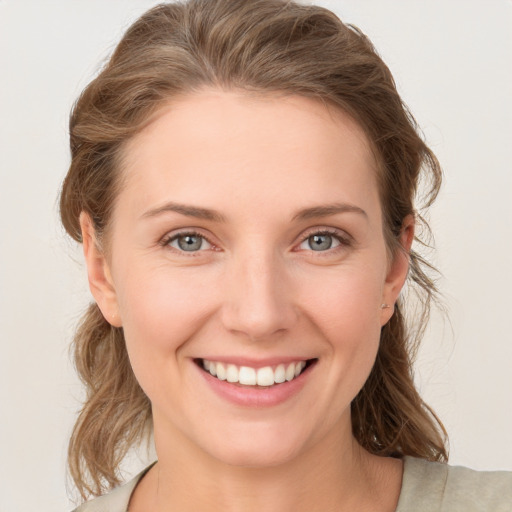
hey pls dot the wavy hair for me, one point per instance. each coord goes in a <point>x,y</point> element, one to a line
<point>259,46</point>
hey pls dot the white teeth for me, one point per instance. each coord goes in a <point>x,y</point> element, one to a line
<point>232,373</point>
<point>280,374</point>
<point>221,371</point>
<point>290,372</point>
<point>247,376</point>
<point>265,376</point>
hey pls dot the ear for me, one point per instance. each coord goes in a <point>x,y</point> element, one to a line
<point>398,270</point>
<point>98,271</point>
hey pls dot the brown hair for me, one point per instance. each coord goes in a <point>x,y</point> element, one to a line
<point>263,46</point>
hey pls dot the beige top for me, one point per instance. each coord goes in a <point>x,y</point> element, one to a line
<point>426,487</point>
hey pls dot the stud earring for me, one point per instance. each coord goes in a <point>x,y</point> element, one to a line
<point>385,306</point>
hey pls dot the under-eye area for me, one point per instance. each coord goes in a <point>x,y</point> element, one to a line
<point>263,377</point>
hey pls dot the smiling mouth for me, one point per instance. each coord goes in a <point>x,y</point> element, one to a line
<point>257,377</point>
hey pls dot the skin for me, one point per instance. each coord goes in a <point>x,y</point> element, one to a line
<point>255,289</point>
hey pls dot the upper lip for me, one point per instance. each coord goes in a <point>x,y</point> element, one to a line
<point>256,362</point>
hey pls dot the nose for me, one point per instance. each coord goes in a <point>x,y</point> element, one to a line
<point>258,297</point>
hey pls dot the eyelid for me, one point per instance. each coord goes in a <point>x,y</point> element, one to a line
<point>343,237</point>
<point>173,235</point>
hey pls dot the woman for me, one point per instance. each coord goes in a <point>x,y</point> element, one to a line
<point>242,180</point>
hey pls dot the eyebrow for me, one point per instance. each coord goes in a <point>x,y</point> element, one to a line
<point>326,210</point>
<point>189,211</point>
<point>215,216</point>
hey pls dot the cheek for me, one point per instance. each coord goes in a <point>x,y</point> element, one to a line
<point>344,300</point>
<point>347,312</point>
<point>161,310</point>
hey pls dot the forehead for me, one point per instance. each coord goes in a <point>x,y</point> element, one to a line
<point>226,144</point>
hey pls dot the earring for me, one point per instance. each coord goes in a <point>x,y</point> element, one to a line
<point>385,306</point>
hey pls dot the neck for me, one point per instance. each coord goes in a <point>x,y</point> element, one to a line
<point>331,475</point>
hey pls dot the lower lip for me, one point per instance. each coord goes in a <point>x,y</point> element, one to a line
<point>254,396</point>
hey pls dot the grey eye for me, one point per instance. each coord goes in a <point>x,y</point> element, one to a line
<point>189,243</point>
<point>320,242</point>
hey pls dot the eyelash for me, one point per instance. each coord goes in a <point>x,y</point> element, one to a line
<point>166,241</point>
<point>344,240</point>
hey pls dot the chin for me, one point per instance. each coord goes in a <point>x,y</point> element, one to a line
<point>256,451</point>
<point>256,458</point>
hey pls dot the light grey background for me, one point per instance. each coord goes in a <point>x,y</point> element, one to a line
<point>451,60</point>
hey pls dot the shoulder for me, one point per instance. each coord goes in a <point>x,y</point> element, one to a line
<point>436,487</point>
<point>116,500</point>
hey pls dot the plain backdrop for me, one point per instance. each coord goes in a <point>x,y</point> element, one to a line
<point>452,63</point>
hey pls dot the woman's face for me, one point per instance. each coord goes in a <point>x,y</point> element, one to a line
<point>247,239</point>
